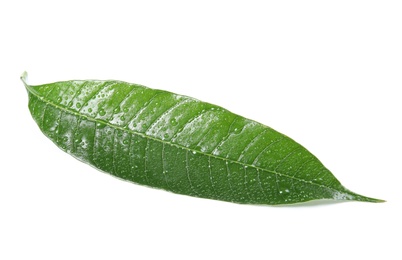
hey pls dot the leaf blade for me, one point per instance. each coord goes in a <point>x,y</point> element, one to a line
<point>177,143</point>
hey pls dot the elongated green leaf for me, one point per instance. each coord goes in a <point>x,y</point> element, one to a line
<point>180,144</point>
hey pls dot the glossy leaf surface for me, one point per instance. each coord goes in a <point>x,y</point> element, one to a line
<point>180,144</point>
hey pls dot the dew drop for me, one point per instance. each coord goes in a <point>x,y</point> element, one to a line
<point>166,136</point>
<point>102,112</point>
<point>125,110</point>
<point>78,105</point>
<point>70,104</point>
<point>122,118</point>
<point>89,110</point>
<point>59,99</point>
<point>194,152</point>
<point>173,121</point>
<point>125,142</point>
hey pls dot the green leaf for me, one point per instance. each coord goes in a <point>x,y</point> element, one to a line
<point>180,144</point>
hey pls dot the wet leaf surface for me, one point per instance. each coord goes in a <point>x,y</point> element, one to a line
<point>180,144</point>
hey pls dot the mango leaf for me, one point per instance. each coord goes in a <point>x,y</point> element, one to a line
<point>179,144</point>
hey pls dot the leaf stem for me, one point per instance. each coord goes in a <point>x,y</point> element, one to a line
<point>24,77</point>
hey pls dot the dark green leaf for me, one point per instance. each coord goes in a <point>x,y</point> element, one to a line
<point>180,144</point>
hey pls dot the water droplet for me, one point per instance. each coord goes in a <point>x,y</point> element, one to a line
<point>70,104</point>
<point>89,110</point>
<point>166,136</point>
<point>125,142</point>
<point>125,110</point>
<point>194,152</point>
<point>78,105</point>
<point>122,118</point>
<point>286,190</point>
<point>116,110</point>
<point>173,121</point>
<point>59,99</point>
<point>102,112</point>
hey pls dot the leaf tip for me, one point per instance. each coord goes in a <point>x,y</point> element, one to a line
<point>375,200</point>
<point>348,195</point>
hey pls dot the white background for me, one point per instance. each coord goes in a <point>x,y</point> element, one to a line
<point>326,73</point>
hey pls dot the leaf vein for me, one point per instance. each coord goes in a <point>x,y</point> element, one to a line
<point>146,104</point>
<point>249,144</point>
<point>188,174</point>
<point>215,150</point>
<point>165,113</point>
<point>164,166</point>
<point>187,123</point>
<point>210,177</point>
